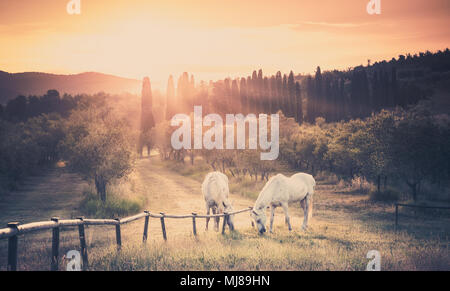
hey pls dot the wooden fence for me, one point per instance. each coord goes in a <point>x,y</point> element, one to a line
<point>397,205</point>
<point>14,229</point>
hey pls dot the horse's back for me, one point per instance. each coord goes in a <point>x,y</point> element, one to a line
<point>306,179</point>
<point>215,187</point>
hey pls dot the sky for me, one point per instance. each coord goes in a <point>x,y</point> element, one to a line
<point>213,39</point>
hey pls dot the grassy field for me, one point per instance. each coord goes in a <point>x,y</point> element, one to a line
<point>345,226</point>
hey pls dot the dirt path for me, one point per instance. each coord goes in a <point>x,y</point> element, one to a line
<point>58,193</point>
<point>173,193</point>
<point>53,193</point>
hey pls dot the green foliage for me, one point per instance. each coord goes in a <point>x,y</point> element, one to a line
<point>391,148</point>
<point>26,146</point>
<point>410,146</point>
<point>99,146</point>
<point>114,207</point>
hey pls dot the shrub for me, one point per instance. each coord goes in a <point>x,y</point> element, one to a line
<point>113,207</point>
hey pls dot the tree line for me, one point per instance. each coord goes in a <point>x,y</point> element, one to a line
<point>334,95</point>
<point>400,150</point>
<point>408,147</point>
<point>88,136</point>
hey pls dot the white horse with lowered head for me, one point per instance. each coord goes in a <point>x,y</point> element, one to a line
<point>280,191</point>
<point>215,191</point>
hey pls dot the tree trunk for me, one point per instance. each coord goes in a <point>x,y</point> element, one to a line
<point>379,183</point>
<point>100,186</point>
<point>413,187</point>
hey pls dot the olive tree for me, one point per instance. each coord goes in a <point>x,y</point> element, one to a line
<point>98,146</point>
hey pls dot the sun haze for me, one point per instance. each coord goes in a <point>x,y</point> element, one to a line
<point>213,39</point>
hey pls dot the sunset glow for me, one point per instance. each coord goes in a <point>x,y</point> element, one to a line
<point>213,39</point>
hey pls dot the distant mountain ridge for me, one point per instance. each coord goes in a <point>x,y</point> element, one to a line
<point>36,83</point>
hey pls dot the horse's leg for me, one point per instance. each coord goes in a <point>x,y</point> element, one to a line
<point>286,213</point>
<point>302,204</point>
<point>207,213</point>
<point>305,211</point>
<point>307,204</point>
<point>272,216</point>
<point>216,223</point>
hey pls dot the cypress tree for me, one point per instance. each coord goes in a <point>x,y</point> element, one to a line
<point>265,96</point>
<point>279,88</point>
<point>147,120</point>
<point>298,108</point>
<point>336,107</point>
<point>235,104</point>
<point>273,94</point>
<point>243,95</point>
<point>183,92</point>
<point>191,94</point>
<point>375,92</point>
<point>249,94</point>
<point>253,92</point>
<point>260,92</point>
<point>385,89</point>
<point>318,94</point>
<point>343,101</point>
<point>290,100</point>
<point>310,87</point>
<point>228,97</point>
<point>284,96</point>
<point>171,103</point>
<point>395,99</point>
<point>327,98</point>
<point>365,94</point>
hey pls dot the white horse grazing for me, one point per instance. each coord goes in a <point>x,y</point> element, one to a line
<point>215,191</point>
<point>280,191</point>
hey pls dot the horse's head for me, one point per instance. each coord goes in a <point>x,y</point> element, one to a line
<point>260,218</point>
<point>229,208</point>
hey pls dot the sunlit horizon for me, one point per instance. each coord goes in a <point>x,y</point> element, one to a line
<point>213,40</point>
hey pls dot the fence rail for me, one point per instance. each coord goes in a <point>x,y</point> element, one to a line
<point>397,205</point>
<point>14,229</point>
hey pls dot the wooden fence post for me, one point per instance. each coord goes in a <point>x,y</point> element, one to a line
<point>224,225</point>
<point>163,226</point>
<point>396,217</point>
<point>194,226</point>
<point>144,238</point>
<point>83,246</point>
<point>55,245</point>
<point>118,235</point>
<point>12,248</point>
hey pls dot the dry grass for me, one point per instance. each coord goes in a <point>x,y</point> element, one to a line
<point>345,226</point>
<point>326,246</point>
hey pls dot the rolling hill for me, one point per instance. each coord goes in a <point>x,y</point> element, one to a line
<point>34,83</point>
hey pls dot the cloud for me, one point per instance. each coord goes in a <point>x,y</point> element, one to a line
<point>335,25</point>
<point>24,28</point>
